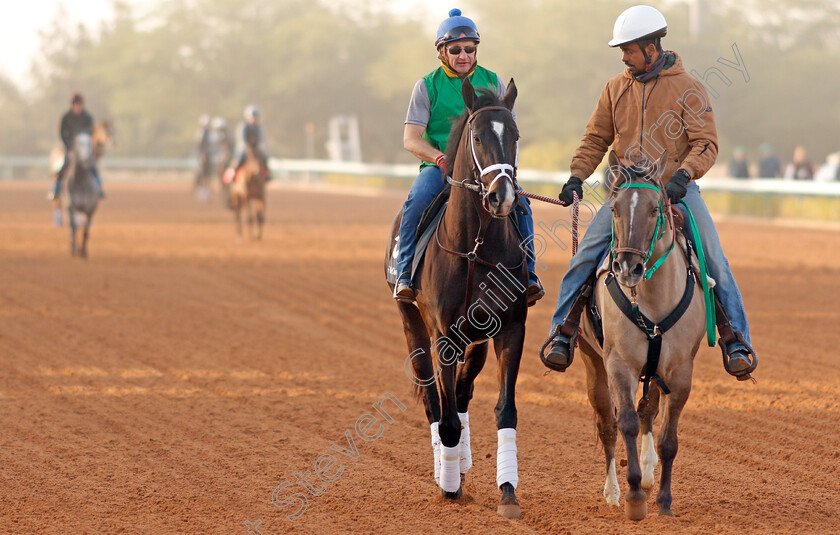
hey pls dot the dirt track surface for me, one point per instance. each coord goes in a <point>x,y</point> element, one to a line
<point>170,383</point>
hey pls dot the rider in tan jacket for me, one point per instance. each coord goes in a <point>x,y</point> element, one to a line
<point>671,112</point>
<point>652,108</point>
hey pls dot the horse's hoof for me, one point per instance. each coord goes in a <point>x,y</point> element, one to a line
<point>509,510</point>
<point>508,505</point>
<point>635,511</point>
<point>665,511</point>
<point>452,495</point>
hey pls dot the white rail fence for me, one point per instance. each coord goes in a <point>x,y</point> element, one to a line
<point>9,165</point>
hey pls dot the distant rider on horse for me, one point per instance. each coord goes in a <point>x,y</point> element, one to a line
<point>249,134</point>
<point>654,106</point>
<point>76,121</point>
<point>435,102</point>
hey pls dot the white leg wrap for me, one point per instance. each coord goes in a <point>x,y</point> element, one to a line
<point>507,470</point>
<point>612,492</point>
<point>450,475</point>
<point>649,460</point>
<point>465,452</point>
<point>436,450</point>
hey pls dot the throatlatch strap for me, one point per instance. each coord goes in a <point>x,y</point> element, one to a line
<point>708,293</point>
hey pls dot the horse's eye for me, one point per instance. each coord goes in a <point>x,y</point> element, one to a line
<point>654,212</point>
<point>477,140</point>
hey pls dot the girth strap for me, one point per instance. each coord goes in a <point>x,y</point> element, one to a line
<point>653,331</point>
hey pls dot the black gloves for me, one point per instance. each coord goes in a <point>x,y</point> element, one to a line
<point>675,188</point>
<point>573,185</point>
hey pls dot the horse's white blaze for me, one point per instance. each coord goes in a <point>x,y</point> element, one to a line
<point>506,193</point>
<point>507,469</point>
<point>450,474</point>
<point>436,450</point>
<point>649,460</point>
<point>634,201</point>
<point>612,492</point>
<point>499,128</point>
<point>465,453</point>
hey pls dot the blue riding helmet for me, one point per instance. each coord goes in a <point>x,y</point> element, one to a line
<point>456,28</point>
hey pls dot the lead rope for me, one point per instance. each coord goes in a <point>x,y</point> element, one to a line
<point>575,212</point>
<point>575,221</point>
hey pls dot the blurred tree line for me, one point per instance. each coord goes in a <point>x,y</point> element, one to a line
<point>154,73</point>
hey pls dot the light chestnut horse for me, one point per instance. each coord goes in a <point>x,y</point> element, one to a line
<point>248,192</point>
<point>642,234</point>
<point>102,138</point>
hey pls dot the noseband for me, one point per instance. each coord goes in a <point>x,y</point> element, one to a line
<point>505,170</point>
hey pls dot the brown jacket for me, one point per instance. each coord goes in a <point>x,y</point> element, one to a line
<point>676,117</point>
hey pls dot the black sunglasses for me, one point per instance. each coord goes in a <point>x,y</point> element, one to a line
<point>455,50</point>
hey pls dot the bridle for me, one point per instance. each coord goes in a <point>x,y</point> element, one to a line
<point>477,185</point>
<point>476,182</point>
<point>658,233</point>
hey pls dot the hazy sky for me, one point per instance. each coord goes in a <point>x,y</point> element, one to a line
<point>19,31</point>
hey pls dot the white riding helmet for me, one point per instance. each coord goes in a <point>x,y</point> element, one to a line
<point>219,122</point>
<point>638,22</point>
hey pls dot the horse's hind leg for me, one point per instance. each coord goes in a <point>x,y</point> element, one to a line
<point>672,406</point>
<point>599,397</point>
<point>72,216</point>
<point>623,384</point>
<point>509,352</point>
<point>260,217</point>
<point>648,409</point>
<point>420,369</point>
<point>474,361</point>
<point>237,216</point>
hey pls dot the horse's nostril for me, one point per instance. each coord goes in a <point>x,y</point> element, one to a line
<point>616,267</point>
<point>638,270</point>
<point>493,198</point>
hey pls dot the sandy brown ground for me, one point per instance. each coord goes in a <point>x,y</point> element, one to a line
<point>170,383</point>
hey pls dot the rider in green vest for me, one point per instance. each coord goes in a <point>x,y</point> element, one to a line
<point>435,103</point>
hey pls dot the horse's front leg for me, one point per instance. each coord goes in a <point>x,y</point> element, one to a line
<point>449,429</point>
<point>508,346</point>
<point>467,372</point>
<point>623,384</point>
<point>672,406</point>
<point>648,409</point>
<point>85,232</point>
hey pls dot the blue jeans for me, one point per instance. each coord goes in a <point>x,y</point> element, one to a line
<point>423,191</point>
<point>595,243</point>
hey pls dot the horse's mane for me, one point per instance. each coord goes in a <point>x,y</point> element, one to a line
<point>639,173</point>
<point>484,98</point>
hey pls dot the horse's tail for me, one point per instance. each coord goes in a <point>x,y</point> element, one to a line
<point>419,366</point>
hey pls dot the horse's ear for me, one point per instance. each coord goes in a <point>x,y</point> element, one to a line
<point>615,169</point>
<point>510,95</point>
<point>468,93</point>
<point>660,166</point>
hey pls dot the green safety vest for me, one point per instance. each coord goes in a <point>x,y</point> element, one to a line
<point>446,102</point>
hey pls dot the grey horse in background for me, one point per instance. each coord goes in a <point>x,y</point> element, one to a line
<point>83,193</point>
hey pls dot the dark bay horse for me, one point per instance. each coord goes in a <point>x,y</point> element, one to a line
<point>248,192</point>
<point>83,193</point>
<point>650,263</point>
<point>470,289</point>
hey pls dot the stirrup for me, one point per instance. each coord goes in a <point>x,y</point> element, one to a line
<point>551,365</point>
<point>743,375</point>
